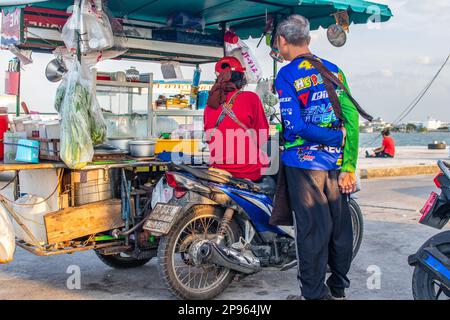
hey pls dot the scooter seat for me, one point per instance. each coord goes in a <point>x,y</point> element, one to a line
<point>266,186</point>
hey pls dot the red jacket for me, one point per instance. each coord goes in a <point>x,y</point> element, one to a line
<point>389,146</point>
<point>231,147</point>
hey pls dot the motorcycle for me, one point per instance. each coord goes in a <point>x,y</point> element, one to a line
<point>215,228</point>
<point>431,277</point>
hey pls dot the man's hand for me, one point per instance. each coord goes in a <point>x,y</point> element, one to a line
<point>347,182</point>
<point>344,136</point>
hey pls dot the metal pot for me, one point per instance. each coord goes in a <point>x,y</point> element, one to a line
<point>142,148</point>
<point>121,142</point>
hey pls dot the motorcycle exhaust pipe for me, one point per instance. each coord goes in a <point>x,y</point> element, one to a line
<point>229,258</point>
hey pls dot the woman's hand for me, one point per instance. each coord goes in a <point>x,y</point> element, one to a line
<point>347,182</point>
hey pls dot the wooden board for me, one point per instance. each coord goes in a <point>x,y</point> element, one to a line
<point>30,166</point>
<point>73,223</point>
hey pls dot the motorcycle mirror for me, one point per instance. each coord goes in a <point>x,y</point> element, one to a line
<point>336,35</point>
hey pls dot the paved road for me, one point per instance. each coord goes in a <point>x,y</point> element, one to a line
<point>391,234</point>
<point>405,156</point>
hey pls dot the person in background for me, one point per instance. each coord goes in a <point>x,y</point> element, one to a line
<point>320,171</point>
<point>387,149</point>
<point>237,133</point>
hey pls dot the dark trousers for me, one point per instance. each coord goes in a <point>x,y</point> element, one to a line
<point>381,154</point>
<point>324,232</point>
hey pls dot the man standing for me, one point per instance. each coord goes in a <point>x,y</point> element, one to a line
<point>320,171</point>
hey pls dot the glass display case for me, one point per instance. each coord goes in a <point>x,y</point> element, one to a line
<point>172,113</point>
<point>127,107</point>
<point>134,109</point>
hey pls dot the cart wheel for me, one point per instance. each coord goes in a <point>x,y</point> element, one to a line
<point>121,260</point>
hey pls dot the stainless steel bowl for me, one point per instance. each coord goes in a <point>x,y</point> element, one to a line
<point>142,148</point>
<point>121,142</point>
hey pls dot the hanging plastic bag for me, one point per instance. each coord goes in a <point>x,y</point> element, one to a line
<point>265,93</point>
<point>76,144</point>
<point>98,126</point>
<point>93,26</point>
<point>7,237</point>
<point>241,51</point>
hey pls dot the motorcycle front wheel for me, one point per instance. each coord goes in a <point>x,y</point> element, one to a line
<point>176,266</point>
<point>358,226</point>
<point>426,286</point>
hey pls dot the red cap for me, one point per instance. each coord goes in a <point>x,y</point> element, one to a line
<point>229,64</point>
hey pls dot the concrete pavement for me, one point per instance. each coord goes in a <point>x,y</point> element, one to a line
<point>408,161</point>
<point>391,234</point>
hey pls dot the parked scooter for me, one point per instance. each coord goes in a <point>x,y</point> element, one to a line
<point>431,279</point>
<point>216,227</point>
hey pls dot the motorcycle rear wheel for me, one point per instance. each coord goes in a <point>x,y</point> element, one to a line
<point>181,277</point>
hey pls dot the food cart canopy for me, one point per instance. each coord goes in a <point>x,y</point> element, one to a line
<point>246,17</point>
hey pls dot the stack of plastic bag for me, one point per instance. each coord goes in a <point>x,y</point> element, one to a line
<point>7,237</point>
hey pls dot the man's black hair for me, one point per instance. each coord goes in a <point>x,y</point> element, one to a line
<point>386,132</point>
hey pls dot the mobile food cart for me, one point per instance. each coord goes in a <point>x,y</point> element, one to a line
<point>103,205</point>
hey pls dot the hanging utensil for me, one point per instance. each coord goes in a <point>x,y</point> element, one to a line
<point>55,70</point>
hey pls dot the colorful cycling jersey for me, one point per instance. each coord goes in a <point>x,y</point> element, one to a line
<point>313,140</point>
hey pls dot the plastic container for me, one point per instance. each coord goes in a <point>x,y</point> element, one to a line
<point>7,237</point>
<point>202,99</point>
<point>52,130</point>
<point>31,210</point>
<point>177,145</point>
<point>4,122</point>
<point>19,123</point>
<point>31,128</point>
<point>11,140</point>
<point>91,186</point>
<point>133,75</point>
<point>27,151</point>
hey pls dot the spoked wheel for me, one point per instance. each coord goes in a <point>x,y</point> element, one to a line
<point>426,286</point>
<point>176,255</point>
<point>358,226</point>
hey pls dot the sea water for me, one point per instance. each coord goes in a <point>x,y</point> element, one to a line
<point>371,140</point>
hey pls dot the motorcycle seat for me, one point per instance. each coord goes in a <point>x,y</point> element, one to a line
<point>267,186</point>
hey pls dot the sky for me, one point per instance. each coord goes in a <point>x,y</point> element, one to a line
<point>386,64</point>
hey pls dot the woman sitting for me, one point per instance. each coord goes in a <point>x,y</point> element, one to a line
<point>235,124</point>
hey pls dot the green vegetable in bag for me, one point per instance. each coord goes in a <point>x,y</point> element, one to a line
<point>77,149</point>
